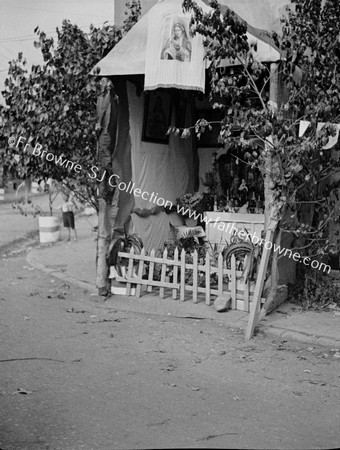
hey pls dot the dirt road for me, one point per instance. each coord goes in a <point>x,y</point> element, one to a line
<point>78,375</point>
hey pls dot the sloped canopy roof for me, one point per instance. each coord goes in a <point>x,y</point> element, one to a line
<point>128,56</point>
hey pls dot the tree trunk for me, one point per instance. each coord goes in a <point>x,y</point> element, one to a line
<point>275,293</point>
<point>27,188</point>
<point>103,240</point>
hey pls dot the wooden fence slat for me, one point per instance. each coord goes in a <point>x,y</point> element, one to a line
<point>151,269</point>
<point>148,258</point>
<point>195,277</point>
<point>163,274</point>
<point>159,284</point>
<point>182,295</point>
<point>246,296</point>
<point>233,282</point>
<point>129,272</point>
<point>140,273</point>
<point>175,274</point>
<point>207,279</point>
<point>202,290</point>
<point>220,274</point>
<point>243,295</point>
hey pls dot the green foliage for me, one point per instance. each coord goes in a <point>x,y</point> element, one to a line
<point>293,167</point>
<point>190,243</point>
<point>190,201</point>
<point>122,244</point>
<point>311,42</point>
<point>54,104</point>
<point>315,291</point>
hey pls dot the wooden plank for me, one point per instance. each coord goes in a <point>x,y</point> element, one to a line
<point>233,282</point>
<point>149,258</point>
<point>175,274</point>
<point>195,277</point>
<point>207,279</point>
<point>147,282</point>
<point>140,273</point>
<point>259,287</point>
<point>163,273</point>
<point>151,269</point>
<point>246,296</point>
<point>202,290</point>
<point>220,274</point>
<point>240,304</point>
<point>182,295</point>
<point>129,271</point>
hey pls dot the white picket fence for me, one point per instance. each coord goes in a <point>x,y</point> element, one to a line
<point>240,290</point>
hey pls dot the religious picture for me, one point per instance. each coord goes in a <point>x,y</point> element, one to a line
<point>178,45</point>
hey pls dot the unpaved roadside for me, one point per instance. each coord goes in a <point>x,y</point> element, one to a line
<point>93,377</point>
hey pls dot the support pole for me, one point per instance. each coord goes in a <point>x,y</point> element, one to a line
<point>271,213</point>
<point>256,303</point>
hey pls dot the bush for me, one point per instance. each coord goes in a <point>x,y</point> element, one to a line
<point>315,291</point>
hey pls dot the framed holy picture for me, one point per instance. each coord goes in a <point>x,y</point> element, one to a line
<point>157,116</point>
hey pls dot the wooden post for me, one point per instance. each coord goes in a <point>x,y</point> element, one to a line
<point>195,277</point>
<point>103,238</point>
<point>175,274</point>
<point>163,273</point>
<point>151,269</point>
<point>233,282</point>
<point>220,274</point>
<point>256,304</point>
<point>140,273</point>
<point>246,296</point>
<point>182,275</point>
<point>207,279</point>
<point>130,272</point>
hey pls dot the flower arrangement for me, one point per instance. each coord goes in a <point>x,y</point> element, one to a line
<point>190,201</point>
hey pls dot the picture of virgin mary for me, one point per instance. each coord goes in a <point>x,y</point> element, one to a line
<point>178,46</point>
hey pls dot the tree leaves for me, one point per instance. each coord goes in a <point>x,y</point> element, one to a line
<point>53,104</point>
<point>310,46</point>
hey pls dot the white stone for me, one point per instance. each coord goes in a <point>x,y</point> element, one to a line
<point>222,303</point>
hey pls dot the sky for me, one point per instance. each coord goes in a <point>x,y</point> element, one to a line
<point>19,18</point>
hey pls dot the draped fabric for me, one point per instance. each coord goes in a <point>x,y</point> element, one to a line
<point>107,135</point>
<point>122,157</point>
<point>114,154</point>
<point>173,57</point>
<point>165,170</point>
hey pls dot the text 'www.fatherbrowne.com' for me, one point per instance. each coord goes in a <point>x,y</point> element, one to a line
<point>153,197</point>
<point>231,228</point>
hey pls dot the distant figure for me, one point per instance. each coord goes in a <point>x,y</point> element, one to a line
<point>178,47</point>
<point>67,208</point>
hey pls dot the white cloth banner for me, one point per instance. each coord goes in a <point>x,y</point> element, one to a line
<point>304,124</point>
<point>332,140</point>
<point>174,59</point>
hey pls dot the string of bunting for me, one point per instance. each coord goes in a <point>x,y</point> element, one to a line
<point>332,140</point>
